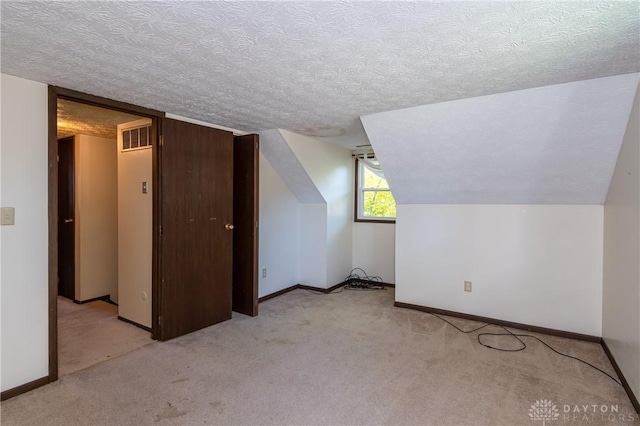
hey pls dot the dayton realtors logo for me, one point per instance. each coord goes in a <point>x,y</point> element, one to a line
<point>545,410</point>
<point>594,413</point>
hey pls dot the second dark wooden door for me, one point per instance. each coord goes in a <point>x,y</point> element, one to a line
<point>245,213</point>
<point>196,246</point>
<point>66,218</point>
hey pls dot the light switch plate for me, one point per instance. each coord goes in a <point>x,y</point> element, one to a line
<point>8,216</point>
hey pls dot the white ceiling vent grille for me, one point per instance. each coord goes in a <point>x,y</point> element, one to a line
<point>136,138</point>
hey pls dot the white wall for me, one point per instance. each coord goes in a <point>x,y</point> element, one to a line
<point>96,217</point>
<point>313,245</point>
<point>279,238</point>
<point>374,249</point>
<point>331,170</point>
<point>135,220</point>
<point>532,264</point>
<point>24,276</point>
<point>621,289</point>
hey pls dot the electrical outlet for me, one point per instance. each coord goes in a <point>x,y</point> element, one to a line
<point>467,286</point>
<point>8,216</point>
<point>264,273</point>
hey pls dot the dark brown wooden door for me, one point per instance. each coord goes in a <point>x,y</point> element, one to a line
<point>245,234</point>
<point>66,218</point>
<point>196,197</point>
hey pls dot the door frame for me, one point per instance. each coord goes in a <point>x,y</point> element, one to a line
<point>56,93</point>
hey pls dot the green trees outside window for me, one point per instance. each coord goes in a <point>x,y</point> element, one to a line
<point>375,200</point>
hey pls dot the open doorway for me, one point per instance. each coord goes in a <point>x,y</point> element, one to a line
<point>104,251</point>
<point>204,190</point>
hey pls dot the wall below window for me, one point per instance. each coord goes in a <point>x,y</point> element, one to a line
<point>532,264</point>
<point>374,249</point>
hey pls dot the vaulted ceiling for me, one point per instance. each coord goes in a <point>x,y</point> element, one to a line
<point>313,67</point>
<point>465,102</point>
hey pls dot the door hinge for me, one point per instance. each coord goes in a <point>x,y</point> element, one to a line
<point>160,321</point>
<point>161,230</point>
<point>161,140</point>
<point>58,158</point>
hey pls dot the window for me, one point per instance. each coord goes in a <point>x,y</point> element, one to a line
<point>374,201</point>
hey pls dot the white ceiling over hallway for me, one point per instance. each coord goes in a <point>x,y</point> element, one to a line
<point>313,67</point>
<point>549,145</point>
<point>81,119</point>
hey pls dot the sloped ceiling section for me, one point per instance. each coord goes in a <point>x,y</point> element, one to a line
<point>549,145</point>
<point>286,164</point>
<point>313,66</point>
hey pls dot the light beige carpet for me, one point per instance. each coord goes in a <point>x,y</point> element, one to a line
<point>91,333</point>
<point>346,358</point>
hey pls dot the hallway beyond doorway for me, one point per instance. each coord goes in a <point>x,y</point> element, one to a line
<point>91,333</point>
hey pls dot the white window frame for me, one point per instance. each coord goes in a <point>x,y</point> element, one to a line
<point>359,198</point>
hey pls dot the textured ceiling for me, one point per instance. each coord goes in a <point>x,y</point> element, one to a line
<point>314,67</point>
<point>548,145</point>
<point>75,118</point>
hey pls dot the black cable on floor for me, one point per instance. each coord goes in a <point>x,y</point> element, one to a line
<point>523,345</point>
<point>365,282</point>
<point>336,291</point>
<point>354,281</point>
<point>370,286</point>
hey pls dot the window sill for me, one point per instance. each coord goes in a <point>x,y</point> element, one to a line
<point>375,220</point>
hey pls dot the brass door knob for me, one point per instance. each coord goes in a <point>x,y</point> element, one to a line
<point>228,227</point>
